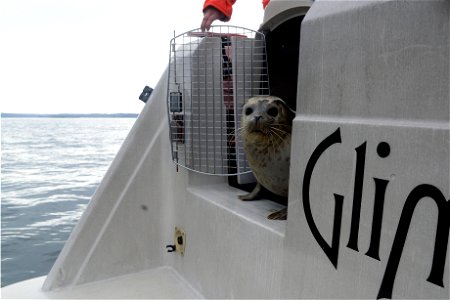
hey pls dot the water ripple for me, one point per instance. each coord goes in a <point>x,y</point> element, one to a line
<point>50,169</point>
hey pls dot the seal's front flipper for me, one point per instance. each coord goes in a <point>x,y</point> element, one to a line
<point>254,195</point>
<point>278,215</point>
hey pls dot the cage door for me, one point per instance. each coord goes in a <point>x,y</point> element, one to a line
<point>211,75</point>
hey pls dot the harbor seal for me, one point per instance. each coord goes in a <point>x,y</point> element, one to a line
<point>266,128</point>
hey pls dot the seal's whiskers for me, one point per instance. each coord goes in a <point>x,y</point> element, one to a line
<point>271,141</point>
<point>284,132</point>
<point>279,136</point>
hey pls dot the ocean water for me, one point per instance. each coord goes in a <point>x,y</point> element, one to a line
<point>50,168</point>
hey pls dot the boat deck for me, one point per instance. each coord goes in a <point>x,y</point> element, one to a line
<point>159,283</point>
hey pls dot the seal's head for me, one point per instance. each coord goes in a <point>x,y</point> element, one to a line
<point>266,115</point>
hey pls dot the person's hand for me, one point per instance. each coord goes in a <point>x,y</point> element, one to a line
<point>210,14</point>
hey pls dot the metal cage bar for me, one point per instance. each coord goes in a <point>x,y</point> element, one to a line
<point>211,75</point>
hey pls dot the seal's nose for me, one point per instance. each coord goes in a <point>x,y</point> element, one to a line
<point>258,124</point>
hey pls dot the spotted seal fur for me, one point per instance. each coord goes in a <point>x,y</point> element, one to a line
<point>266,128</point>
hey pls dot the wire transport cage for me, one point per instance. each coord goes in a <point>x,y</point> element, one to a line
<point>211,75</point>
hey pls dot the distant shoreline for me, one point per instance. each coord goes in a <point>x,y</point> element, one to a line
<point>117,115</point>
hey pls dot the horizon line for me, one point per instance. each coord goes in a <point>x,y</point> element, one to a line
<point>66,115</point>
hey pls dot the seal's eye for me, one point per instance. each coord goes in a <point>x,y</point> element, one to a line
<point>273,111</point>
<point>248,111</point>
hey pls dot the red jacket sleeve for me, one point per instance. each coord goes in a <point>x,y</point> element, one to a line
<point>224,6</point>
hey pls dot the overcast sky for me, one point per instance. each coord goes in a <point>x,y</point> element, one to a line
<point>92,56</point>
